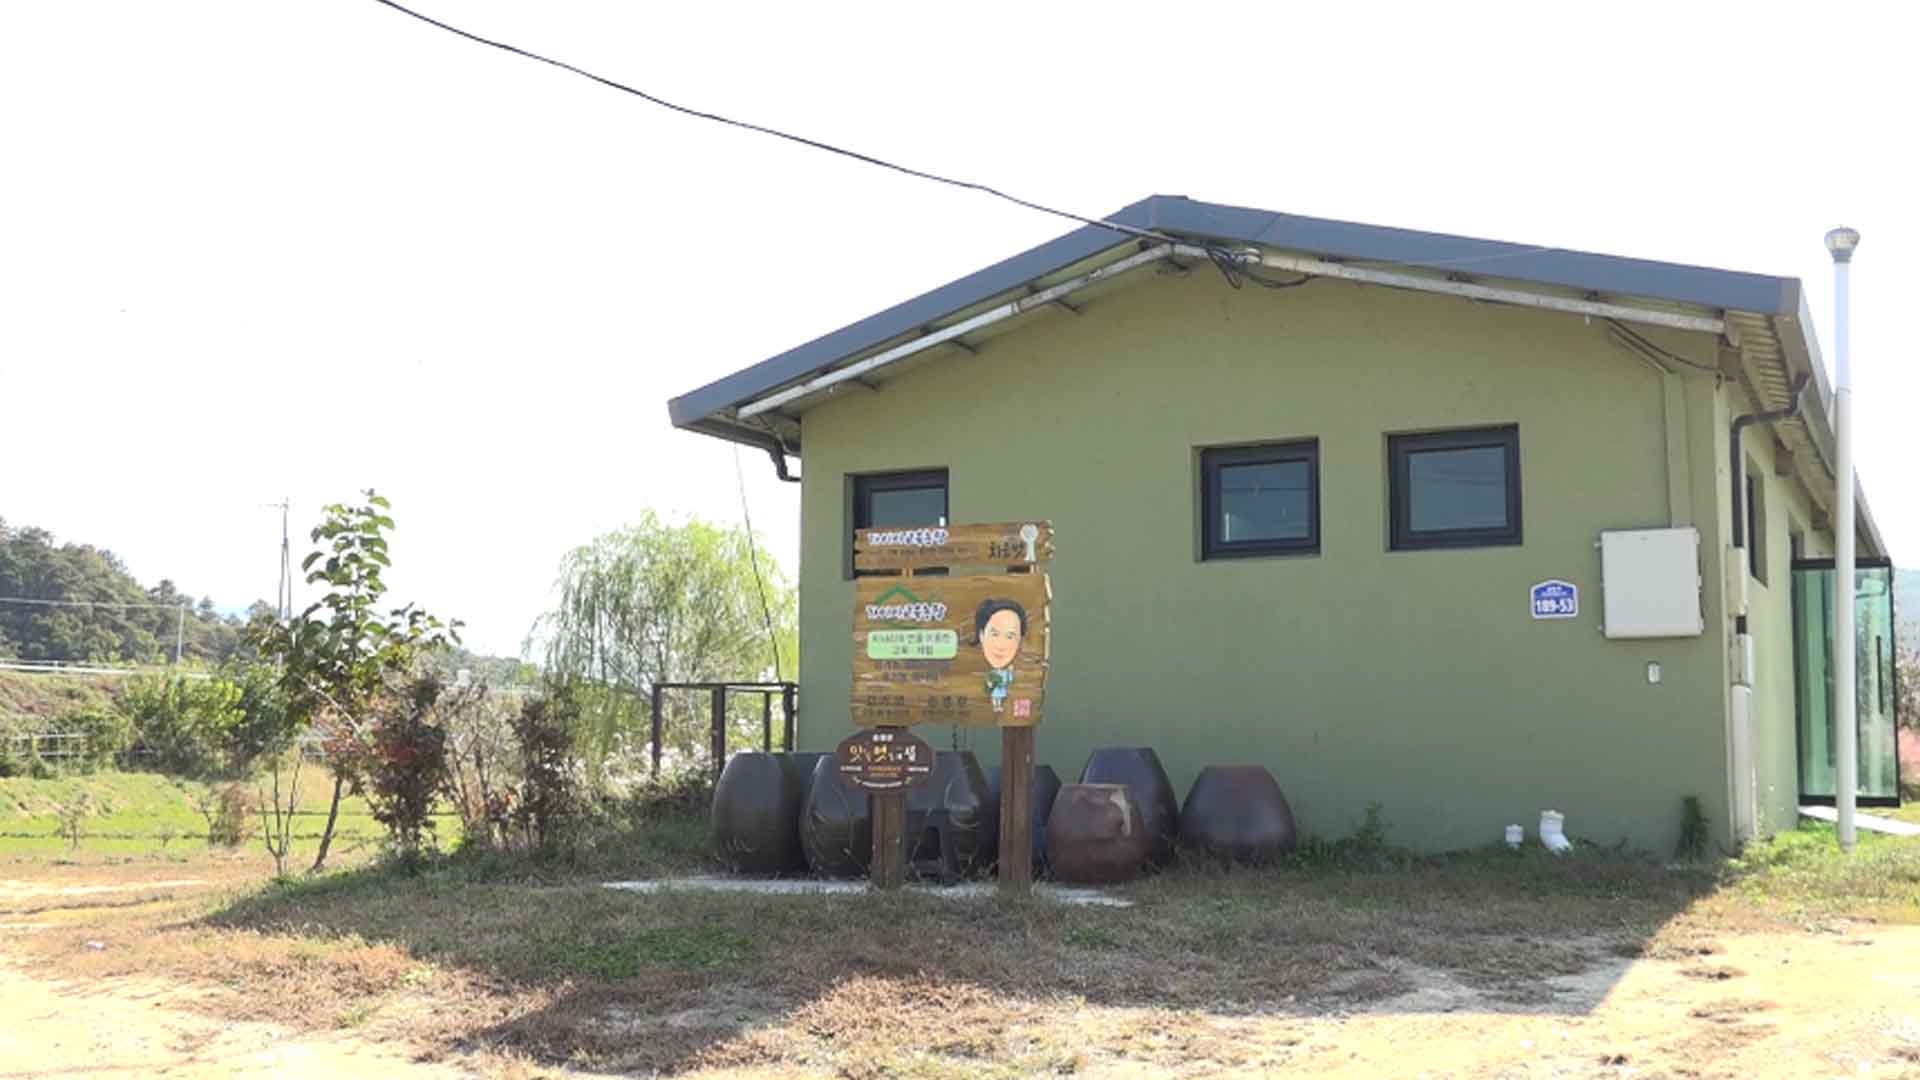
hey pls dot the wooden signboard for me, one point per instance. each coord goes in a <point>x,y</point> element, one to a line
<point>1018,543</point>
<point>887,759</point>
<point>950,650</point>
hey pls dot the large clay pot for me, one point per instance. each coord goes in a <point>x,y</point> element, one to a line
<point>836,823</point>
<point>953,828</point>
<point>1138,767</point>
<point>801,764</point>
<point>1095,835</point>
<point>755,805</point>
<point>1046,786</point>
<point>1237,812</point>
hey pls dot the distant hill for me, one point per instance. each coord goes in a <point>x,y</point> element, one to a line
<point>77,603</point>
<point>1906,608</point>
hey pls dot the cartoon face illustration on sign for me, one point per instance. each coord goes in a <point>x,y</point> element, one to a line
<point>999,626</point>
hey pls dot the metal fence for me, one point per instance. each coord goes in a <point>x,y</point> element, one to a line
<point>718,694</point>
<point>66,667</point>
<point>47,745</point>
<point>60,745</point>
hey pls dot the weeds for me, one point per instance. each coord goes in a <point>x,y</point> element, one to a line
<point>1091,937</point>
<point>1694,834</point>
<point>227,810</point>
<point>703,945</point>
<point>1804,873</point>
<point>1366,847</point>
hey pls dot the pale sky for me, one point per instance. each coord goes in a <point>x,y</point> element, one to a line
<point>251,250</point>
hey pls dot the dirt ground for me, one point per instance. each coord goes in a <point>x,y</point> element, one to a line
<point>150,1026</point>
<point>138,1028</point>
<point>1843,1000</point>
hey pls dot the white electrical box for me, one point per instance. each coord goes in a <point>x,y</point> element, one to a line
<point>1651,582</point>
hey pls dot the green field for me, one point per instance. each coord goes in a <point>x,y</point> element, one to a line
<point>147,815</point>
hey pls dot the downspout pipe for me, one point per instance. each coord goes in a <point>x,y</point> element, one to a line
<point>779,456</point>
<point>1738,459</point>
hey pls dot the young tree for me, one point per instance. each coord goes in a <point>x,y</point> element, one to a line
<point>336,657</point>
<point>404,763</point>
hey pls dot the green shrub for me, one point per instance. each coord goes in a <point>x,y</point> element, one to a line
<point>547,810</point>
<point>228,811</point>
<point>107,733</point>
<point>185,724</point>
<point>1694,835</point>
<point>263,728</point>
<point>404,765</point>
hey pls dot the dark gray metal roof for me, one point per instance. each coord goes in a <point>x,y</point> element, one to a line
<point>1610,275</point>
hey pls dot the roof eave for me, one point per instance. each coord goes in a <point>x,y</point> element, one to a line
<point>1602,275</point>
<point>1802,349</point>
<point>829,350</point>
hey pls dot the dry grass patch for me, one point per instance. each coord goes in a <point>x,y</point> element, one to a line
<point>870,985</point>
<point>1212,969</point>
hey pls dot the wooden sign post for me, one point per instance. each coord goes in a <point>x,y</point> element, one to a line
<point>886,762</point>
<point>954,648</point>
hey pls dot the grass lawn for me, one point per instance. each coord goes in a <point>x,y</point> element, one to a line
<point>151,816</point>
<point>1909,810</point>
<point>1212,966</point>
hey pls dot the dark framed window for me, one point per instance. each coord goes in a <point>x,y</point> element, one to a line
<point>884,500</point>
<point>1756,524</point>
<point>1260,500</point>
<point>1452,489</point>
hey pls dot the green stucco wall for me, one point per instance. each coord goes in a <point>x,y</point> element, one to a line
<point>1770,621</point>
<point>1413,679</point>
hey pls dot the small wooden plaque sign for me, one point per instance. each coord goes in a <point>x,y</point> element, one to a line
<point>1006,544</point>
<point>885,759</point>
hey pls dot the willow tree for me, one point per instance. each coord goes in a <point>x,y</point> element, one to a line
<point>660,603</point>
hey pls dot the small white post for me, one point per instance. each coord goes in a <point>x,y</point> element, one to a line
<point>1841,243</point>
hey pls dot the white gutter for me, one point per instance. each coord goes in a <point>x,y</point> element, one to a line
<point>1301,264</point>
<point>1298,264</point>
<point>948,333</point>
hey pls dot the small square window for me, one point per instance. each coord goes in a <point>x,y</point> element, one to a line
<point>1260,500</point>
<point>1455,488</point>
<point>903,499</point>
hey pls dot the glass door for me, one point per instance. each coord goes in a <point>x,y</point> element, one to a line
<point>1874,692</point>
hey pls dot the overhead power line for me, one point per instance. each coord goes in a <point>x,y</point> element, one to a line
<point>180,610</point>
<point>970,185</point>
<point>91,603</point>
<point>1234,271</point>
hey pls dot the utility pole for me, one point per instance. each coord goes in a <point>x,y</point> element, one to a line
<point>285,596</point>
<point>179,634</point>
<point>1846,725</point>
